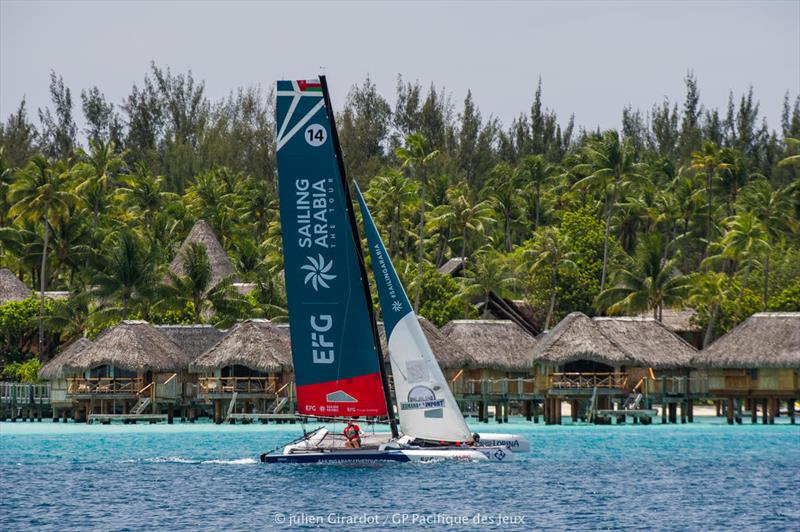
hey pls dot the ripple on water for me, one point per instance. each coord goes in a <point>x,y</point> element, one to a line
<point>185,477</point>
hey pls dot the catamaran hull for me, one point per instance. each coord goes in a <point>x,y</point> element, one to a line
<point>482,454</point>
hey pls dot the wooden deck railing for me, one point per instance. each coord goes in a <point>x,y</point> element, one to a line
<point>266,385</point>
<point>588,380</point>
<point>675,385</point>
<point>104,385</point>
<point>500,386</point>
<point>20,392</point>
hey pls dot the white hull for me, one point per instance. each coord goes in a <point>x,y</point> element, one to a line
<point>515,442</point>
<point>365,456</point>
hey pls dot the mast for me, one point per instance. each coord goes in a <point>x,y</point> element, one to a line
<point>359,252</point>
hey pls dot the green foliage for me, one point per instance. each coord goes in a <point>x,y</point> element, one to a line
<point>104,220</point>
<point>788,300</point>
<point>19,322</point>
<point>579,288</point>
<point>735,307</point>
<point>438,299</point>
<point>27,371</point>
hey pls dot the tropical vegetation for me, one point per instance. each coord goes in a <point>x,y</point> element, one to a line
<point>683,205</point>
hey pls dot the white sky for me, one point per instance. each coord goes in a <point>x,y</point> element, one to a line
<point>594,58</point>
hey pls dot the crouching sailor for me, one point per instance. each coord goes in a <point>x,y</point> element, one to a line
<point>352,434</point>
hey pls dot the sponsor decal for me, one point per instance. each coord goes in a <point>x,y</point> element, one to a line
<point>421,397</point>
<point>318,272</point>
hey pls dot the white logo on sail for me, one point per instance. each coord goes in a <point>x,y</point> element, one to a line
<point>397,306</point>
<point>318,272</point>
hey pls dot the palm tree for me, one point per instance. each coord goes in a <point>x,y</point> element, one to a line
<point>97,168</point>
<point>414,155</point>
<point>773,208</point>
<point>129,273</point>
<point>392,194</point>
<point>503,190</point>
<point>193,286</point>
<point>487,274</point>
<point>709,290</point>
<point>611,162</point>
<point>532,171</point>
<point>707,162</point>
<point>145,196</point>
<point>550,250</point>
<point>653,282</point>
<point>742,244</point>
<point>464,217</point>
<point>40,194</point>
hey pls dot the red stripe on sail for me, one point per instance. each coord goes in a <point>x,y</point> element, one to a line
<point>358,396</point>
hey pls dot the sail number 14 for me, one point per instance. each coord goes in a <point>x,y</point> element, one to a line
<point>316,135</point>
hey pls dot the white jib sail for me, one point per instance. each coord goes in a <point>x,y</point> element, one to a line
<point>426,406</point>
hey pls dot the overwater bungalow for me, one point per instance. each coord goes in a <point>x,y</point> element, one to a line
<point>502,372</point>
<point>56,373</point>
<point>193,340</point>
<point>594,362</point>
<point>755,364</point>
<point>131,368</point>
<point>247,372</point>
<point>11,288</point>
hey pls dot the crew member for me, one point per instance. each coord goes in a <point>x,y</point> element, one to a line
<point>352,434</point>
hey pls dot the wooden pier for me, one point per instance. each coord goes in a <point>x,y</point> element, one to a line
<point>106,419</point>
<point>24,401</point>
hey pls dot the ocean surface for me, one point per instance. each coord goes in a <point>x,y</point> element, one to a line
<point>705,475</point>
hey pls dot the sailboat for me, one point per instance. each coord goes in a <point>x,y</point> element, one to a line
<point>339,367</point>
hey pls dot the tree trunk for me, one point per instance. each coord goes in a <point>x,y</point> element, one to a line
<point>766,282</point>
<point>710,328</point>
<point>553,283</point>
<point>421,250</point>
<point>485,307</point>
<point>507,230</point>
<point>43,279</point>
<point>709,182</point>
<point>536,222</point>
<point>125,299</point>
<point>610,208</point>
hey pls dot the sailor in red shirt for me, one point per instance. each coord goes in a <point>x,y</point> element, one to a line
<point>352,434</point>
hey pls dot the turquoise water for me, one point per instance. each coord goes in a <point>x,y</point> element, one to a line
<point>187,477</point>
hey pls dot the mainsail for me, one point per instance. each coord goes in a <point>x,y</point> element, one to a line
<point>427,408</point>
<point>335,351</point>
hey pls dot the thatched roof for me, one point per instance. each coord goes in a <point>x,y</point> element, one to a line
<point>257,344</point>
<point>221,266</point>
<point>55,368</point>
<point>676,320</point>
<point>133,345</point>
<point>193,340</point>
<point>453,266</point>
<point>623,341</point>
<point>11,288</point>
<point>577,337</point>
<point>764,340</point>
<point>494,344</point>
<point>448,354</point>
<point>648,342</point>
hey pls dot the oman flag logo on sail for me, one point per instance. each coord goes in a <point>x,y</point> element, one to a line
<point>318,272</point>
